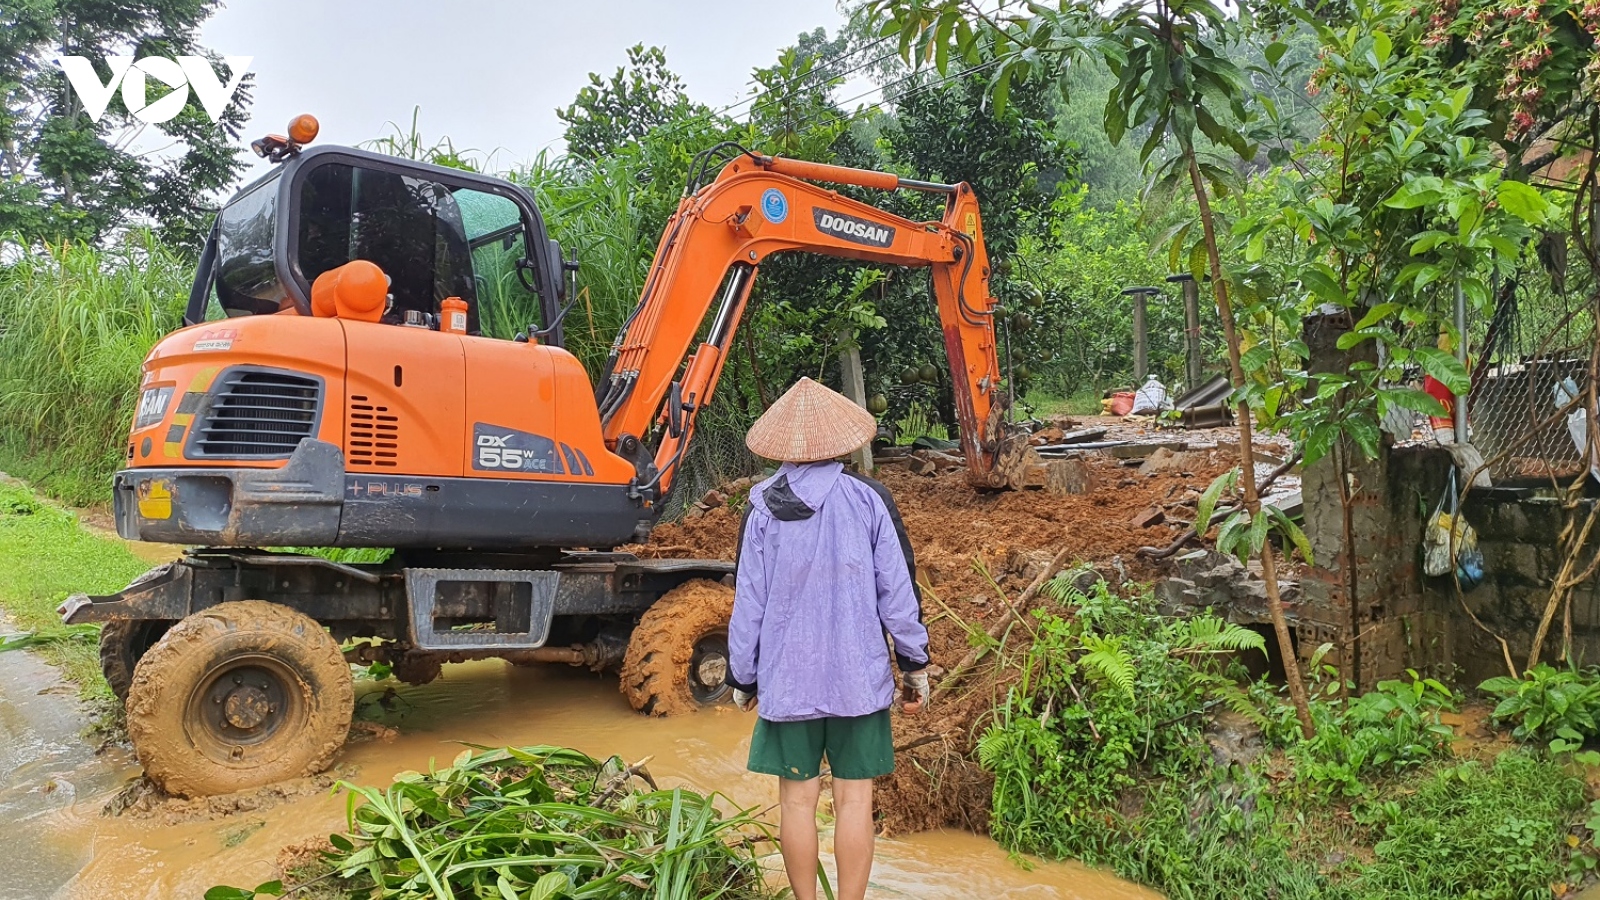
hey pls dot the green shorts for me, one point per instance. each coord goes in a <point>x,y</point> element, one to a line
<point>856,747</point>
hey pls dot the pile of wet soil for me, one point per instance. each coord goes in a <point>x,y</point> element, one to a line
<point>958,534</point>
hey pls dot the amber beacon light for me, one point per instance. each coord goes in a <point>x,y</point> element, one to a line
<point>303,128</point>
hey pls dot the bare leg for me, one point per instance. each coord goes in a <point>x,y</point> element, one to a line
<point>853,834</point>
<point>797,834</point>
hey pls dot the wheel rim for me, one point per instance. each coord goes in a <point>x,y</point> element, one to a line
<point>708,669</point>
<point>241,704</point>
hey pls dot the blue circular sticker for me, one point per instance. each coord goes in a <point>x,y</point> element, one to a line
<point>774,206</point>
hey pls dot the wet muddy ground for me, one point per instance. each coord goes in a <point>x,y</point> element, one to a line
<point>59,843</point>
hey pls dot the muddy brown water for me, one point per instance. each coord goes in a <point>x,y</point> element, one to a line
<point>58,844</point>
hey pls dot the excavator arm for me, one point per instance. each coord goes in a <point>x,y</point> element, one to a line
<point>710,252</point>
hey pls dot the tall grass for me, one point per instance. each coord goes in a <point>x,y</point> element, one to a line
<point>75,323</point>
<point>599,211</point>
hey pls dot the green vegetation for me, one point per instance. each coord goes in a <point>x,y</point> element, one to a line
<point>538,822</point>
<point>78,322</point>
<point>1102,752</point>
<point>66,176</point>
<point>44,557</point>
<point>1561,706</point>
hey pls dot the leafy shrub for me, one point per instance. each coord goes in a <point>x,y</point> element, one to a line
<point>1107,698</point>
<point>1391,728</point>
<point>1548,704</point>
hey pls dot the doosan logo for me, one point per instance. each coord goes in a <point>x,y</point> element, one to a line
<point>850,228</point>
<point>182,75</point>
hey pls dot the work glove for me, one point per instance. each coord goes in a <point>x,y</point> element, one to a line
<point>744,700</point>
<point>914,690</point>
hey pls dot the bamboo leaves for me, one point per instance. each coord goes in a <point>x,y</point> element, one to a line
<point>539,823</point>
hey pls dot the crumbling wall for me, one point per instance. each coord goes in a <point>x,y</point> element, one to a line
<point>1363,594</point>
<point>1522,556</point>
<point>1367,595</point>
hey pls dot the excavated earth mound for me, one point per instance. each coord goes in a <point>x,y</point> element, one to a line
<point>958,534</point>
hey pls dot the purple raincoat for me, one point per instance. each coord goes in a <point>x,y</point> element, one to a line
<point>825,570</point>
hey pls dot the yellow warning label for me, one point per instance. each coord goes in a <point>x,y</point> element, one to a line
<point>204,377</point>
<point>155,499</point>
<point>971,225</point>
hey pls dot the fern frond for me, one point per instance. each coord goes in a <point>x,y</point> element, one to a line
<point>1108,663</point>
<point>1209,634</point>
<point>1061,588</point>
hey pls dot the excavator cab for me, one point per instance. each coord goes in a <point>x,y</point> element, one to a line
<point>436,233</point>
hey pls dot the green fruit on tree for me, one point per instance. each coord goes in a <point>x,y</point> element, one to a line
<point>877,404</point>
<point>1021,322</point>
<point>929,373</point>
<point>910,376</point>
<point>1045,354</point>
<point>1033,296</point>
<point>1023,373</point>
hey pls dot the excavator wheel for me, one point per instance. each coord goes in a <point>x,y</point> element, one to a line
<point>237,696</point>
<point>677,658</point>
<point>122,644</point>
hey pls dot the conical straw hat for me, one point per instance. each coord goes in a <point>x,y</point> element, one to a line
<point>810,422</point>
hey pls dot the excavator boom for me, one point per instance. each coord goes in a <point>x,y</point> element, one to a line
<point>710,252</point>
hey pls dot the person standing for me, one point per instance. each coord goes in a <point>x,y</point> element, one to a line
<point>825,571</point>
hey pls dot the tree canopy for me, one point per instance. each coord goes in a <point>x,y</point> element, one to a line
<point>65,176</point>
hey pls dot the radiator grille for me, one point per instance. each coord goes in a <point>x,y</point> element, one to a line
<point>258,415</point>
<point>374,434</point>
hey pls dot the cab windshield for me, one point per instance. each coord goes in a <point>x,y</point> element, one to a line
<point>432,239</point>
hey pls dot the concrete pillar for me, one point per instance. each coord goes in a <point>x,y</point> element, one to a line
<point>1141,331</point>
<point>1191,328</point>
<point>855,387</point>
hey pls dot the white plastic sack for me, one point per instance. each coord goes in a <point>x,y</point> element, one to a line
<point>1577,423</point>
<point>1150,399</point>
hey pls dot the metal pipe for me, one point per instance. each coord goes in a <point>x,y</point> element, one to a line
<point>813,171</point>
<point>572,656</point>
<point>927,187</point>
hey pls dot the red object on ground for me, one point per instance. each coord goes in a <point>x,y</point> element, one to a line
<point>1122,403</point>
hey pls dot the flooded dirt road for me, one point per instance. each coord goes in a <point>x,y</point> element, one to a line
<point>60,845</point>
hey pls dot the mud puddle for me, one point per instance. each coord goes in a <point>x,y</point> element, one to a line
<point>71,850</point>
<point>47,771</point>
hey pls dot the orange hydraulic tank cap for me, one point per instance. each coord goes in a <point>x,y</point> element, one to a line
<point>303,128</point>
<point>357,290</point>
<point>453,315</point>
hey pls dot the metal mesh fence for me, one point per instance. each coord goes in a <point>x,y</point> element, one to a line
<point>1533,359</point>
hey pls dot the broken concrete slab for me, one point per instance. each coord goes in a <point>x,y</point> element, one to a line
<point>1149,518</point>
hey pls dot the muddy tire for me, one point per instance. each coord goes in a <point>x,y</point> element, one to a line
<point>122,645</point>
<point>237,696</point>
<point>678,655</point>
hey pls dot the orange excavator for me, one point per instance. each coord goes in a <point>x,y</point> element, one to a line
<point>336,385</point>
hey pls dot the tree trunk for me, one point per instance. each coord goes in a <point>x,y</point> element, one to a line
<point>1252,502</point>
